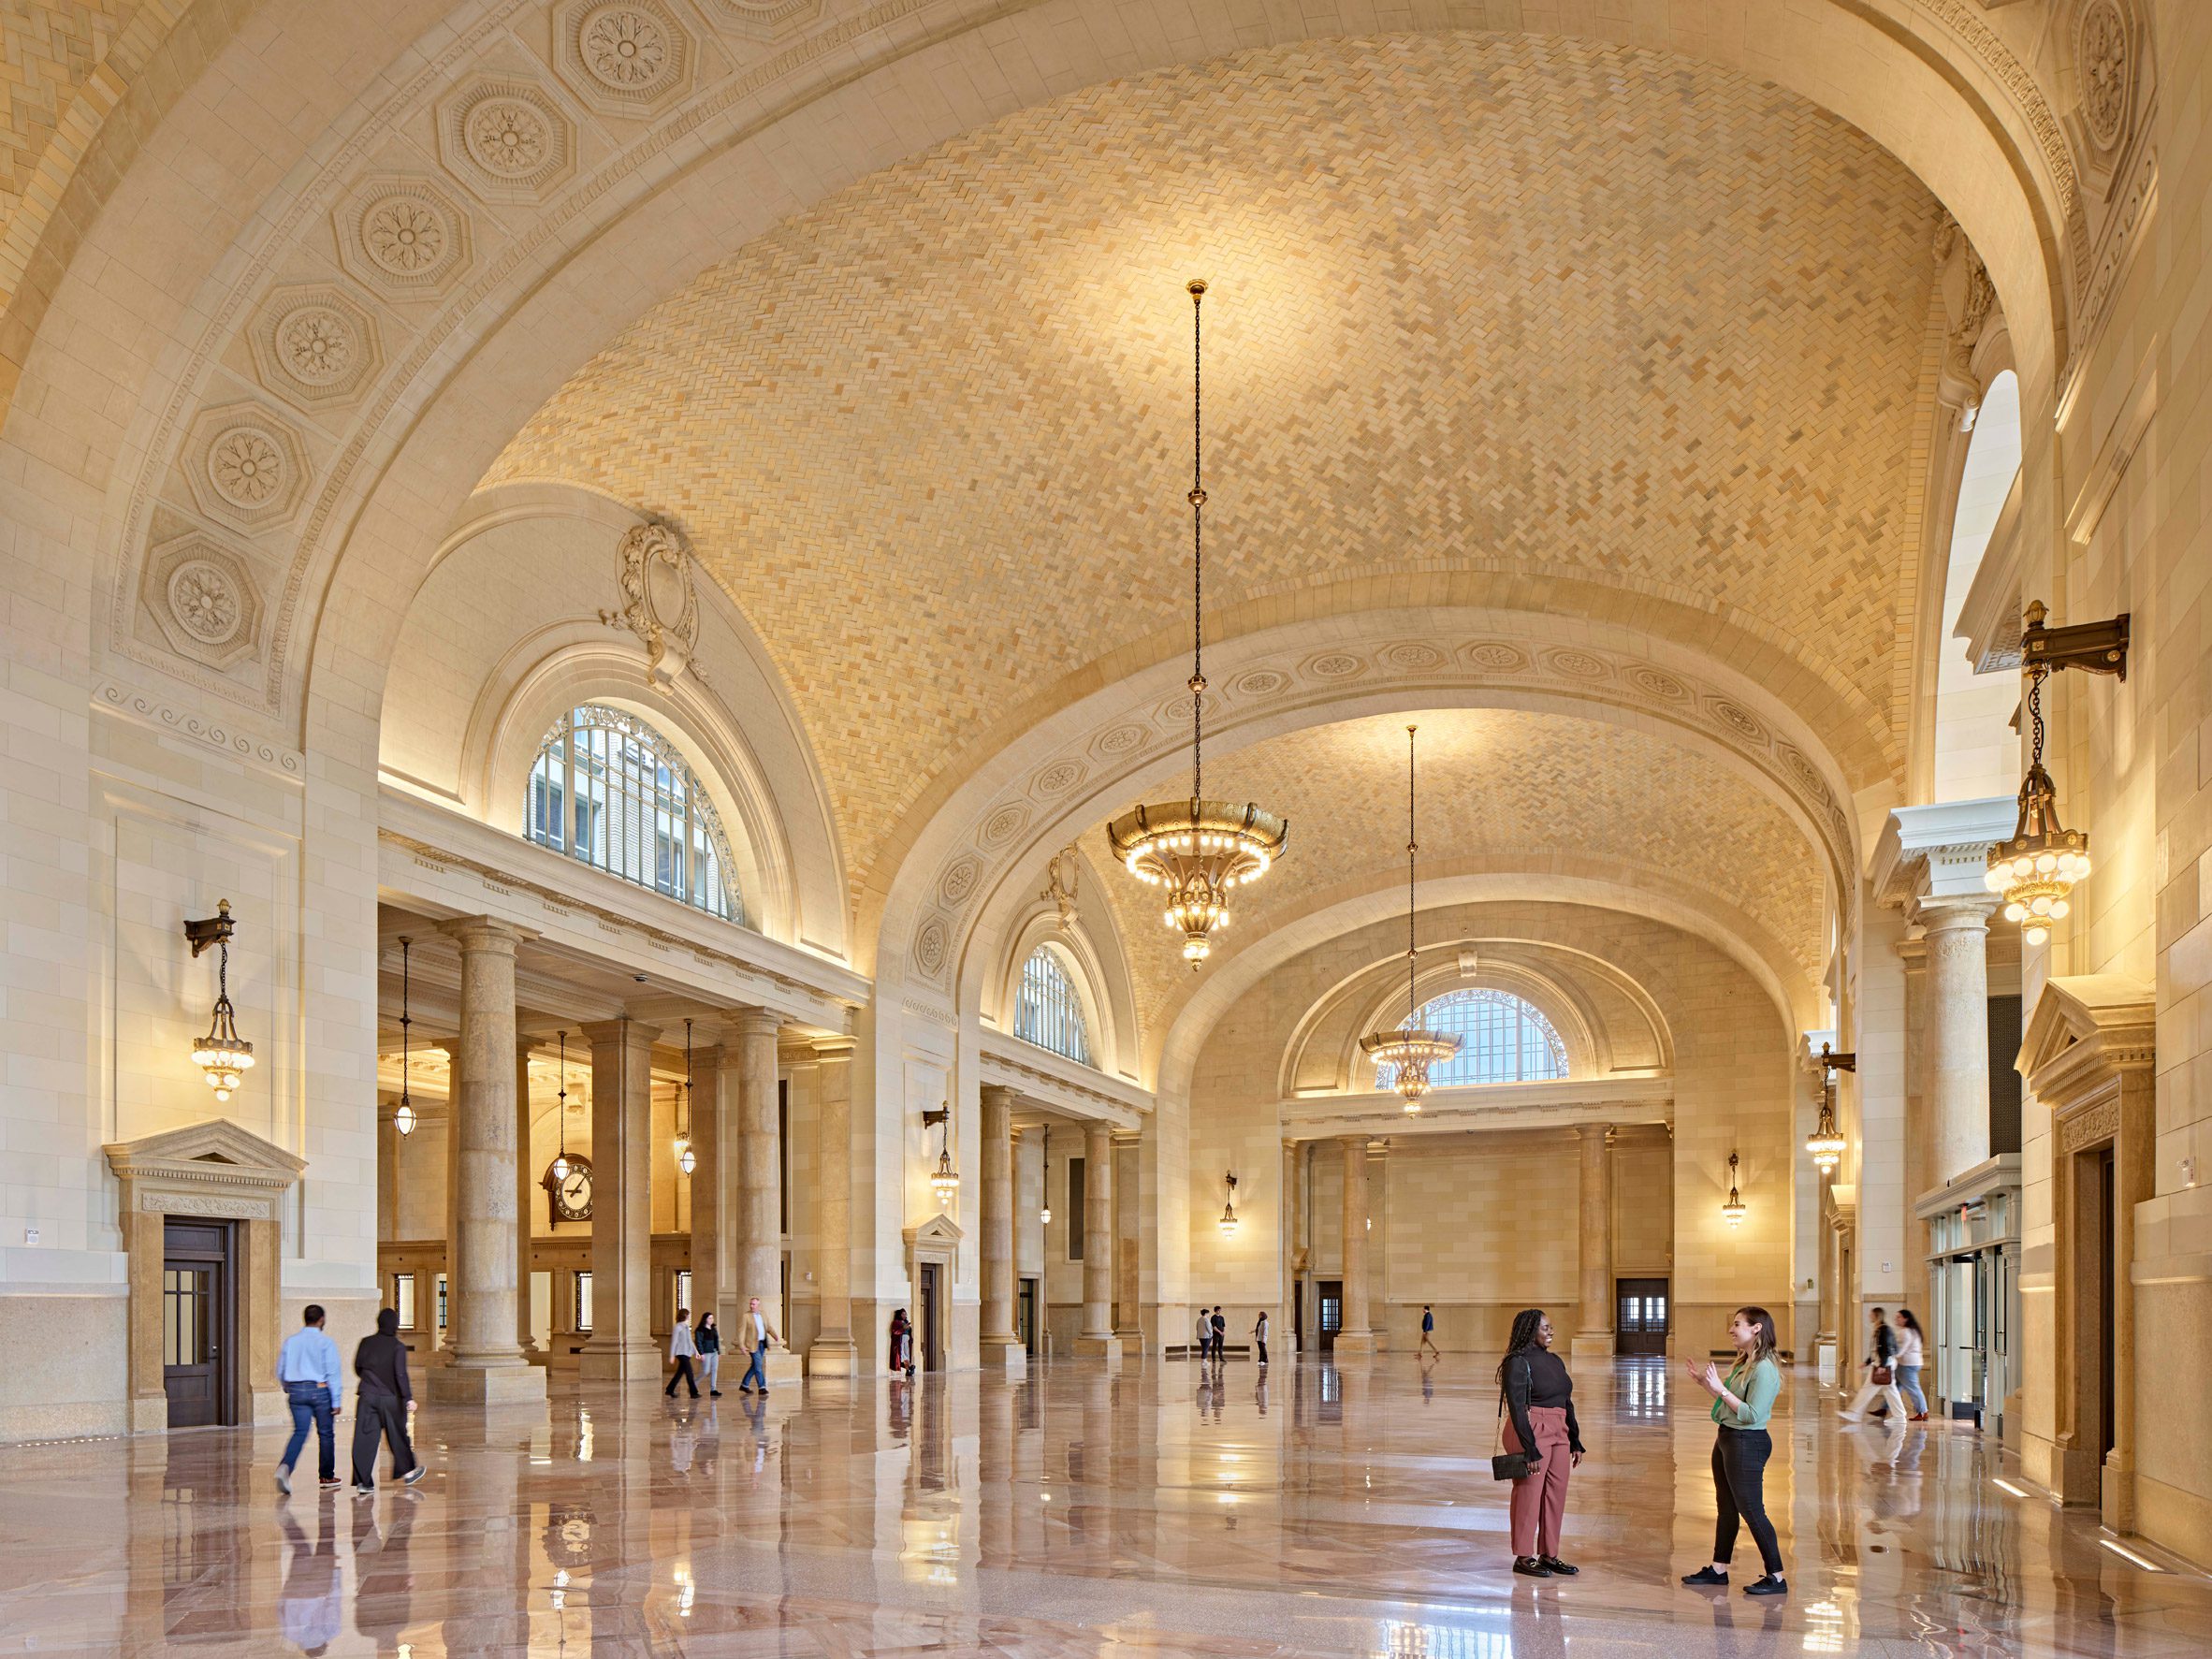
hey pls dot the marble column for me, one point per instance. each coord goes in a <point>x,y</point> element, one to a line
<point>1096,1335</point>
<point>1282,1321</point>
<point>621,1347</point>
<point>1001,1350</point>
<point>388,1171</point>
<point>1957,936</point>
<point>758,1216</point>
<point>709,1152</point>
<point>487,1364</point>
<point>1593,1336</point>
<point>1357,1337</point>
<point>527,1196</point>
<point>1128,1194</point>
<point>833,1353</point>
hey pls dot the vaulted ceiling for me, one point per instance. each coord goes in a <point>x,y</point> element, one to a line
<point>1480,303</point>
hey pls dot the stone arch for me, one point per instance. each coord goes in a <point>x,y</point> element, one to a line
<point>1091,955</point>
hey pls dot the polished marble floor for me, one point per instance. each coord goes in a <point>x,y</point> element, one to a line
<point>1157,1511</point>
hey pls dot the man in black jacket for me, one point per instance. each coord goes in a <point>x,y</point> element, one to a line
<point>380,1408</point>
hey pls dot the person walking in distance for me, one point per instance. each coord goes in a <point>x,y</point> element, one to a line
<point>1220,1334</point>
<point>683,1350</point>
<point>1539,1404</point>
<point>1259,1335</point>
<point>1204,1339</point>
<point>1740,1404</point>
<point>1881,1376</point>
<point>307,1366</point>
<point>1909,1356</point>
<point>1428,1340</point>
<point>759,1333</point>
<point>708,1339</point>
<point>381,1403</point>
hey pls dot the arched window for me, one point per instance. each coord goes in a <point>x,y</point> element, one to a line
<point>1048,1012</point>
<point>611,792</point>
<point>1501,1039</point>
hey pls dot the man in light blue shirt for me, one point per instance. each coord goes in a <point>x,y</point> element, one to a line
<point>306,1365</point>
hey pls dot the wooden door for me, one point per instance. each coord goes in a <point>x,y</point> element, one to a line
<point>197,1322</point>
<point>1640,1316</point>
<point>1026,1318</point>
<point>931,1356</point>
<point>1330,1293</point>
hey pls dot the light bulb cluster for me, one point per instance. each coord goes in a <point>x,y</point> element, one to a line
<point>221,1055</point>
<point>1735,1209</point>
<point>1198,850</point>
<point>1826,1144</point>
<point>2034,872</point>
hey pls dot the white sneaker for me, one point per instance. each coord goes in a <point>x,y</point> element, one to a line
<point>1852,1417</point>
<point>283,1480</point>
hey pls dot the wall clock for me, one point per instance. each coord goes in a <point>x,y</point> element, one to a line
<point>570,1200</point>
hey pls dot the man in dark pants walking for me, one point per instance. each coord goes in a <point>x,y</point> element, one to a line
<point>380,1408</point>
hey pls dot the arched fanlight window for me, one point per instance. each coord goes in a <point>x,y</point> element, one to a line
<point>611,792</point>
<point>1048,1011</point>
<point>1501,1039</point>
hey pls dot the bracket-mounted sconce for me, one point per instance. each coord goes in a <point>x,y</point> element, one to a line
<point>1827,1144</point>
<point>1229,1210</point>
<point>944,1180</point>
<point>210,931</point>
<point>221,1055</point>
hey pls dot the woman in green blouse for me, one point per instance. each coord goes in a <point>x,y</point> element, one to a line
<point>1740,1403</point>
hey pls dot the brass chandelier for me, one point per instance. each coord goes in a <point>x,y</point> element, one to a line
<point>1410,1048</point>
<point>1198,850</point>
<point>2035,871</point>
<point>1827,1144</point>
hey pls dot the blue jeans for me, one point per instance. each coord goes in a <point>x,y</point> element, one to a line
<point>312,1403</point>
<point>1908,1382</point>
<point>758,1368</point>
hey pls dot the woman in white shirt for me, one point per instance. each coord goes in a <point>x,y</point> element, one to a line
<point>1908,1363</point>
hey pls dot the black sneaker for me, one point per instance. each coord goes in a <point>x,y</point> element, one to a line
<point>1770,1585</point>
<point>1703,1575</point>
<point>1529,1566</point>
<point>1559,1568</point>
<point>415,1474</point>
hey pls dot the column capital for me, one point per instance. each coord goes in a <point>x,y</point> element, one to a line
<point>835,1050</point>
<point>751,1022</point>
<point>999,1096</point>
<point>1955,913</point>
<point>484,933</point>
<point>633,1033</point>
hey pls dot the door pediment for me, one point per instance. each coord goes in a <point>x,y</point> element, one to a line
<point>215,1169</point>
<point>2085,1030</point>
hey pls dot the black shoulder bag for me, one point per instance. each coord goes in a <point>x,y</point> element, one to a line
<point>1504,1464</point>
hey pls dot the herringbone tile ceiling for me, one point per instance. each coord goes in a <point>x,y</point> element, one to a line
<point>1482,303</point>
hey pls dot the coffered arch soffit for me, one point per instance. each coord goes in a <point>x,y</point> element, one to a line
<point>467,357</point>
<point>984,853</point>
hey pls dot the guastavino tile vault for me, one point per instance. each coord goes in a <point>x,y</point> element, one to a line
<point>1107,754</point>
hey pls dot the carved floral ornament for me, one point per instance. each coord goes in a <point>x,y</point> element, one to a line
<point>2103,62</point>
<point>404,237</point>
<point>625,57</point>
<point>1590,674</point>
<point>245,466</point>
<point>315,345</point>
<point>506,139</point>
<point>660,598</point>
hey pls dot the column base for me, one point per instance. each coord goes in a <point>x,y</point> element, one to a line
<point>1593,1345</point>
<point>1004,1353</point>
<point>617,1362</point>
<point>833,1357</point>
<point>785,1369</point>
<point>487,1385</point>
<point>1098,1347</point>
<point>1356,1344</point>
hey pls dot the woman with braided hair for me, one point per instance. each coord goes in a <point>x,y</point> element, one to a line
<point>1539,1400</point>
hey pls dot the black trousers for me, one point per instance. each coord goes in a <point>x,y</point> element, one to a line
<point>685,1376</point>
<point>380,1417</point>
<point>1738,1482</point>
<point>1263,1353</point>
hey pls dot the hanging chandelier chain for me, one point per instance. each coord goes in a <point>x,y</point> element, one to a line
<point>406,945</point>
<point>1198,546</point>
<point>2035,679</point>
<point>1411,845</point>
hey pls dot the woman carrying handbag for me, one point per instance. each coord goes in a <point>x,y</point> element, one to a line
<point>1545,1443</point>
<point>1881,1377</point>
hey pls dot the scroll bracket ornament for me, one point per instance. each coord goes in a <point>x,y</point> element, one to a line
<point>660,599</point>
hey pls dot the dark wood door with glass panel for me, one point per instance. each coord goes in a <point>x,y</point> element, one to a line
<point>196,1323</point>
<point>1640,1316</point>
<point>1329,1294</point>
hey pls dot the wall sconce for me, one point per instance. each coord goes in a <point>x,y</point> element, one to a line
<point>944,1180</point>
<point>1044,1213</point>
<point>1827,1144</point>
<point>2036,870</point>
<point>221,1055</point>
<point>1733,1211</point>
<point>404,1118</point>
<point>686,1159</point>
<point>1229,1210</point>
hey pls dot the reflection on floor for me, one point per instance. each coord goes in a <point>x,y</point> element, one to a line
<point>1167,1510</point>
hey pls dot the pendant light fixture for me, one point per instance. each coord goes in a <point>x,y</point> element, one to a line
<point>944,1180</point>
<point>1411,1048</point>
<point>2036,870</point>
<point>1229,1210</point>
<point>1044,1213</point>
<point>403,1119</point>
<point>1198,850</point>
<point>221,1055</point>
<point>561,1163</point>
<point>686,1159</point>
<point>1733,1210</point>
<point>1827,1144</point>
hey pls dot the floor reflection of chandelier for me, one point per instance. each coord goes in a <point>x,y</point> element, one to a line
<point>1197,850</point>
<point>1411,1049</point>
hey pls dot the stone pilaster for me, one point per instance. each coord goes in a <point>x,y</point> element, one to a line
<point>1357,1337</point>
<point>620,1346</point>
<point>833,1353</point>
<point>710,1150</point>
<point>758,1216</point>
<point>1129,1248</point>
<point>1001,1350</point>
<point>1096,1335</point>
<point>1958,934</point>
<point>527,1195</point>
<point>1594,1337</point>
<point>486,1364</point>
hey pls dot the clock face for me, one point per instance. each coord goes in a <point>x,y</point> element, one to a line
<point>571,1196</point>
